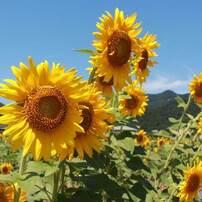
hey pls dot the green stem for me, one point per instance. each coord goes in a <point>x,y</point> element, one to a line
<point>62,176</point>
<point>172,194</point>
<point>23,165</point>
<point>184,112</point>
<point>181,135</point>
<point>92,75</point>
<point>195,136</point>
<point>21,172</point>
<point>17,194</point>
<point>198,150</point>
<point>55,186</point>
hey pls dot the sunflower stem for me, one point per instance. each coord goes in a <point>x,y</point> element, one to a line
<point>62,176</point>
<point>17,194</point>
<point>21,172</point>
<point>182,133</point>
<point>196,153</point>
<point>195,136</point>
<point>92,75</point>
<point>23,164</point>
<point>56,177</point>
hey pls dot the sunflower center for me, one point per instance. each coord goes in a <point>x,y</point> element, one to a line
<point>119,48</point>
<point>139,138</point>
<point>45,108</point>
<point>161,142</point>
<point>5,170</point>
<point>131,103</point>
<point>198,91</point>
<point>143,62</point>
<point>104,83</point>
<point>193,183</point>
<point>87,114</point>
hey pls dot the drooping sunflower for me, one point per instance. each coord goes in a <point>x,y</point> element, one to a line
<point>105,87</point>
<point>7,193</point>
<point>189,188</point>
<point>142,138</point>
<point>44,115</point>
<point>94,123</point>
<point>195,88</point>
<point>200,126</point>
<point>142,63</point>
<point>136,102</point>
<point>116,44</point>
<point>6,168</point>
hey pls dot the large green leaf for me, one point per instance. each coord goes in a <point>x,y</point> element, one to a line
<point>100,182</point>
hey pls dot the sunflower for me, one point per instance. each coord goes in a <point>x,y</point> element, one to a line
<point>142,63</point>
<point>189,188</point>
<point>200,126</point>
<point>162,141</point>
<point>142,138</point>
<point>105,87</point>
<point>7,193</point>
<point>116,44</point>
<point>136,102</point>
<point>6,168</point>
<point>95,128</point>
<point>44,114</point>
<point>195,88</point>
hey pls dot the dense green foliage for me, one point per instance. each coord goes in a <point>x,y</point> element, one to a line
<point>123,171</point>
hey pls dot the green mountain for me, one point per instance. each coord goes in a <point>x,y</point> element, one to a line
<point>161,107</point>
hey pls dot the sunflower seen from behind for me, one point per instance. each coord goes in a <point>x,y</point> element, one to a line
<point>192,183</point>
<point>142,63</point>
<point>136,101</point>
<point>43,115</point>
<point>195,88</point>
<point>116,44</point>
<point>95,115</point>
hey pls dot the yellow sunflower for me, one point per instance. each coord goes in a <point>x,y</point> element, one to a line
<point>147,142</point>
<point>189,188</point>
<point>142,62</point>
<point>44,115</point>
<point>7,193</point>
<point>95,128</point>
<point>195,88</point>
<point>136,102</point>
<point>116,44</point>
<point>200,126</point>
<point>6,168</point>
<point>162,141</point>
<point>142,138</point>
<point>105,87</point>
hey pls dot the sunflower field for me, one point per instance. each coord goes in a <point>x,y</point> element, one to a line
<point>66,139</point>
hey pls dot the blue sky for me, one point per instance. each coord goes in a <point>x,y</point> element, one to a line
<point>51,30</point>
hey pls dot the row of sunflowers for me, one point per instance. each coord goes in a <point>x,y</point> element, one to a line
<point>60,128</point>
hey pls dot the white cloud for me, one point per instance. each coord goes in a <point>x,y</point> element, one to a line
<point>161,84</point>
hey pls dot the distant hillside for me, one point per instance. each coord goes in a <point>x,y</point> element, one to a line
<point>161,106</point>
